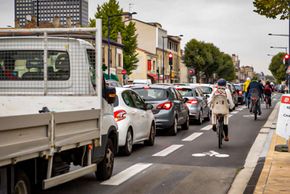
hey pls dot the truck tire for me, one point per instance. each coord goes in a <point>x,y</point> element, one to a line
<point>22,183</point>
<point>105,167</point>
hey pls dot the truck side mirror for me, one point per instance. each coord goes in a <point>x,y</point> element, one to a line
<point>110,94</point>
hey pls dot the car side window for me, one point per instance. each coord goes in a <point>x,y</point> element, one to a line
<point>179,96</point>
<point>196,93</point>
<point>128,99</point>
<point>137,100</point>
<point>173,94</point>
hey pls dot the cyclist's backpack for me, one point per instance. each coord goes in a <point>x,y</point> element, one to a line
<point>255,93</point>
<point>267,89</point>
<point>219,102</point>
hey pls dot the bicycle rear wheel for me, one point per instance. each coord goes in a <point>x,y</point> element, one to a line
<point>255,110</point>
<point>220,132</point>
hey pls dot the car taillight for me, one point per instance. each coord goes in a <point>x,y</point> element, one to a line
<point>119,115</point>
<point>192,101</point>
<point>240,92</point>
<point>165,105</point>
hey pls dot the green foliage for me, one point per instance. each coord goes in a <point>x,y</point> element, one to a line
<point>277,67</point>
<point>129,38</point>
<point>129,50</point>
<point>272,8</point>
<point>226,69</point>
<point>207,58</point>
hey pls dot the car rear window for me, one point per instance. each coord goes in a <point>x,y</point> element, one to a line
<point>152,94</point>
<point>238,87</point>
<point>185,92</point>
<point>206,90</point>
<point>116,103</point>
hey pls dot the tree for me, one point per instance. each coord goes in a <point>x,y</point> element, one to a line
<point>226,69</point>
<point>272,8</point>
<point>193,57</point>
<point>277,67</point>
<point>129,37</point>
<point>130,44</point>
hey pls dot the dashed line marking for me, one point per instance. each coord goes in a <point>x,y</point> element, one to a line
<point>206,128</point>
<point>230,116</point>
<point>168,150</point>
<point>126,174</point>
<point>235,112</point>
<point>192,137</point>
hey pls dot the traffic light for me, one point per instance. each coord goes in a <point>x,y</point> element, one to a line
<point>191,72</point>
<point>286,59</point>
<point>170,59</point>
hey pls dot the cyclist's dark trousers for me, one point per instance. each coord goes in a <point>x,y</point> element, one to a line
<point>269,97</point>
<point>226,130</point>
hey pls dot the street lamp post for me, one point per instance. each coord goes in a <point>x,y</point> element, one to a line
<point>163,52</point>
<point>279,47</point>
<point>109,41</point>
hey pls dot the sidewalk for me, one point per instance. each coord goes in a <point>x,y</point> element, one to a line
<point>275,175</point>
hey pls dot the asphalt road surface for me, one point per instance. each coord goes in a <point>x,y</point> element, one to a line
<point>189,163</point>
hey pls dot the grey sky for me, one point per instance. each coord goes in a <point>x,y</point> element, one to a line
<point>231,25</point>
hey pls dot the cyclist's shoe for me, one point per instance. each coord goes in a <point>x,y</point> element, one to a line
<point>226,138</point>
<point>214,128</point>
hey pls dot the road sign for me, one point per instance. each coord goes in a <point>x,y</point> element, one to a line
<point>124,72</point>
<point>283,123</point>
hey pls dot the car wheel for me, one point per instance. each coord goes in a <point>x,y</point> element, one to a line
<point>151,140</point>
<point>208,116</point>
<point>200,118</point>
<point>185,126</point>
<point>22,184</point>
<point>173,128</point>
<point>127,149</point>
<point>105,167</point>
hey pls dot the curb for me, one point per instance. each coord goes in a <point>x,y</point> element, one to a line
<point>256,157</point>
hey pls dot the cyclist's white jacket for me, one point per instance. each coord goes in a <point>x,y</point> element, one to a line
<point>229,97</point>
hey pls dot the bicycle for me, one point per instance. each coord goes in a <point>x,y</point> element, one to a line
<point>254,102</point>
<point>220,129</point>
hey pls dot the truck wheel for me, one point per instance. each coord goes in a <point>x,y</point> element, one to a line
<point>105,167</point>
<point>22,184</point>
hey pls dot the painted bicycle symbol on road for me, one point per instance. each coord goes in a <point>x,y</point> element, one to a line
<point>211,154</point>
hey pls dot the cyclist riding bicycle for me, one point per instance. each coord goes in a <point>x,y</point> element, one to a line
<point>221,91</point>
<point>268,92</point>
<point>255,89</point>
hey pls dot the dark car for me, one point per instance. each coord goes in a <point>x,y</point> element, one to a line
<point>196,103</point>
<point>239,91</point>
<point>170,109</point>
<point>234,93</point>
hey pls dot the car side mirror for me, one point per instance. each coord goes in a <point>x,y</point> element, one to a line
<point>149,106</point>
<point>110,94</point>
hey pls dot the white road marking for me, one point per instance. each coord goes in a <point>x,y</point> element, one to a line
<point>230,116</point>
<point>168,150</point>
<point>206,128</point>
<point>211,154</point>
<point>192,137</point>
<point>240,109</point>
<point>235,112</point>
<point>248,116</point>
<point>126,174</point>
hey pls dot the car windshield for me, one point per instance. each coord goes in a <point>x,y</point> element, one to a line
<point>206,89</point>
<point>152,94</point>
<point>185,92</point>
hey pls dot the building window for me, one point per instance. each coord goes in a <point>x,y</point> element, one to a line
<point>119,60</point>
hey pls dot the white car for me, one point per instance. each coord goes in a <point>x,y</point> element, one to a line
<point>135,120</point>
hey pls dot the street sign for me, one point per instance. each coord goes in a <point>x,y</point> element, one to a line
<point>283,123</point>
<point>124,72</point>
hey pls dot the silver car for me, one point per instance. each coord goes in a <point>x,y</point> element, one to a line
<point>196,102</point>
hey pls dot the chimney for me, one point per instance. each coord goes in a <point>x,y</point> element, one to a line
<point>119,38</point>
<point>68,22</point>
<point>56,22</point>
